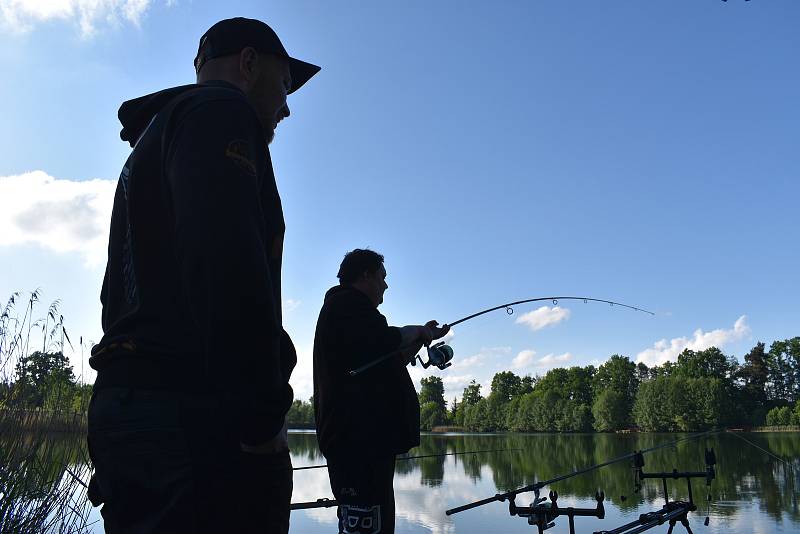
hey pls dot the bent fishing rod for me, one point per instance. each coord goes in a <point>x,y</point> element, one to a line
<point>320,466</point>
<point>440,354</point>
<point>539,485</point>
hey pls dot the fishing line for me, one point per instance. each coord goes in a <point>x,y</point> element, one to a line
<point>320,466</point>
<point>761,449</point>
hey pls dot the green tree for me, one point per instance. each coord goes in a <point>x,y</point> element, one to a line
<point>452,415</point>
<point>431,414</point>
<point>472,394</point>
<point>301,414</point>
<point>642,372</point>
<point>526,385</point>
<point>657,402</point>
<point>81,397</point>
<point>754,378</point>
<point>610,410</point>
<point>779,416</point>
<point>619,374</point>
<point>470,397</point>
<point>708,363</point>
<point>476,416</point>
<point>784,369</point>
<point>676,403</point>
<point>505,386</point>
<point>432,390</point>
<point>42,374</point>
<point>574,383</point>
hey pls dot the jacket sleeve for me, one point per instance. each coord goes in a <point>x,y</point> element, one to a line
<point>214,167</point>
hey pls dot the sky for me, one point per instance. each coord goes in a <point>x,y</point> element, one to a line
<point>642,152</point>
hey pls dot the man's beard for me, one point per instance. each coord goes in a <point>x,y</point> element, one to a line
<point>270,137</point>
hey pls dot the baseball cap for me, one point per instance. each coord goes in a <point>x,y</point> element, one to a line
<point>230,36</point>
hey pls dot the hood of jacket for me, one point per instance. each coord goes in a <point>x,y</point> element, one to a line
<point>135,115</point>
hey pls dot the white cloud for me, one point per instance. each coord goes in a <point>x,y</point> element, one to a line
<point>455,384</point>
<point>663,350</point>
<point>551,360</point>
<point>476,360</point>
<point>290,305</point>
<point>61,215</point>
<point>543,316</point>
<point>527,358</point>
<point>24,15</point>
<point>523,359</point>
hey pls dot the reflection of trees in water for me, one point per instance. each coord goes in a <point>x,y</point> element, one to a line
<point>304,444</point>
<point>743,472</point>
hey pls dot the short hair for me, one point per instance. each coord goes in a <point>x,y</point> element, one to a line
<point>357,262</point>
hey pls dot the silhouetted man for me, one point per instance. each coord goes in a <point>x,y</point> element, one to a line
<point>364,421</point>
<point>187,422</point>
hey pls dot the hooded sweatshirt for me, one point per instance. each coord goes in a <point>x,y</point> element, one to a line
<point>191,295</point>
<point>374,413</point>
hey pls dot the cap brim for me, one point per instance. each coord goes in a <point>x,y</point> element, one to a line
<point>301,72</point>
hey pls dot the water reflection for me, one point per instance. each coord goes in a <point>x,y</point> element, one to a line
<point>752,492</point>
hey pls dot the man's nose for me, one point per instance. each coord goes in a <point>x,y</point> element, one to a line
<point>285,111</point>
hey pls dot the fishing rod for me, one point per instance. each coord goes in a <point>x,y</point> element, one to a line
<point>440,354</point>
<point>539,485</point>
<point>510,310</point>
<point>319,503</point>
<point>326,502</point>
<point>320,466</point>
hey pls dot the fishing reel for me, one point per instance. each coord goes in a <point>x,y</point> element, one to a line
<point>439,355</point>
<point>542,514</point>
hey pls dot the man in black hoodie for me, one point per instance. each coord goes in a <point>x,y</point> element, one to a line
<point>187,422</point>
<point>364,421</point>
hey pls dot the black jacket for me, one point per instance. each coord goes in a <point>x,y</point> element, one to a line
<point>191,296</point>
<point>375,412</point>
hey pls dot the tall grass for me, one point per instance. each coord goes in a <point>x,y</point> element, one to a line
<point>44,464</point>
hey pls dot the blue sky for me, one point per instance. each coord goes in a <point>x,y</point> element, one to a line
<point>645,152</point>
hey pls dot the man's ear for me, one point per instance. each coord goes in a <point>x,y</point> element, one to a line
<point>248,63</point>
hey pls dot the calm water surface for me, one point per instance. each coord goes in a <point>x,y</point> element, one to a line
<point>753,492</point>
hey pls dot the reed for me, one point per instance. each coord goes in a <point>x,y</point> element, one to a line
<point>44,464</point>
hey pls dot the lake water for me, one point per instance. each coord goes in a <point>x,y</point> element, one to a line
<point>753,491</point>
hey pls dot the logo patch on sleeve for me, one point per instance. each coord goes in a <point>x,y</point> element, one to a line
<point>239,152</point>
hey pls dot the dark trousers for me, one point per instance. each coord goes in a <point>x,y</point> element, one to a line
<point>170,462</point>
<point>364,488</point>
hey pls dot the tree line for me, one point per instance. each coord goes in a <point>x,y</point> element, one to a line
<point>701,390</point>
